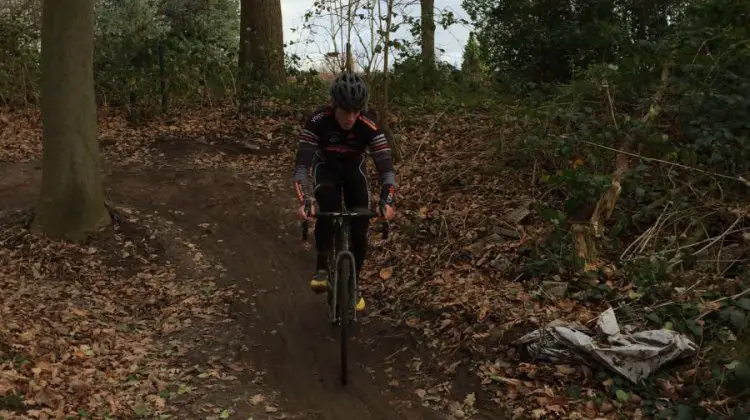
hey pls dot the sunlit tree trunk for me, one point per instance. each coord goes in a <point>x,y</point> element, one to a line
<point>71,204</point>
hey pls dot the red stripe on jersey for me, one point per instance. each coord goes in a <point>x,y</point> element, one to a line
<point>370,123</point>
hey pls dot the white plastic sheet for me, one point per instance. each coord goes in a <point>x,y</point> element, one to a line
<point>634,356</point>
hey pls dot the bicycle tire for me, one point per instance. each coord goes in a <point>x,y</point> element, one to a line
<point>344,305</point>
<point>333,292</point>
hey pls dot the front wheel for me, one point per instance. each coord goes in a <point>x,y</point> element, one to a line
<point>344,303</point>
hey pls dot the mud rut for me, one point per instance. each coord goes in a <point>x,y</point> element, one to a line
<point>256,239</point>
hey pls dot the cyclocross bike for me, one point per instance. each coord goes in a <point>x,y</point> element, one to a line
<point>342,275</point>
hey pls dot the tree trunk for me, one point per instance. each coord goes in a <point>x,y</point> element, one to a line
<point>71,204</point>
<point>428,43</point>
<point>261,45</point>
<point>382,117</point>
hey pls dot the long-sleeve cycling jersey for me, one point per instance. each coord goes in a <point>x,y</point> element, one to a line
<point>322,140</point>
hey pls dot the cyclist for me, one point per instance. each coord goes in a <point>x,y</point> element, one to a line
<point>333,143</point>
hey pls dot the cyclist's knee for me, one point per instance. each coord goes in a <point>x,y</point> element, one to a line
<point>323,232</point>
<point>359,235</point>
<point>323,226</point>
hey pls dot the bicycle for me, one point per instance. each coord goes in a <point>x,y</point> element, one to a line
<point>342,274</point>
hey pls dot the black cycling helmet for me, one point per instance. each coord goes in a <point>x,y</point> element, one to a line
<point>349,92</point>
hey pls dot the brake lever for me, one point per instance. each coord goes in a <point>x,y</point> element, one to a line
<point>386,225</point>
<point>386,229</point>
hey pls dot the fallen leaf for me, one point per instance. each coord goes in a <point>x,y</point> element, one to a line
<point>257,399</point>
<point>140,410</point>
<point>386,273</point>
<point>622,395</point>
<point>79,312</point>
<point>271,409</point>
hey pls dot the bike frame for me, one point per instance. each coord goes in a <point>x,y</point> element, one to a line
<point>341,249</point>
<point>338,313</point>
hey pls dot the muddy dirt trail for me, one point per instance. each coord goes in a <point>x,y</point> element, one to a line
<point>285,330</point>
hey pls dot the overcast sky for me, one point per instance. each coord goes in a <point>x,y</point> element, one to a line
<point>451,40</point>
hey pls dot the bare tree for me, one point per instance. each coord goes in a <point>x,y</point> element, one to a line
<point>360,23</point>
<point>383,117</point>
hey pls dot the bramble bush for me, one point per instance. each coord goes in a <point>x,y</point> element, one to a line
<point>672,88</point>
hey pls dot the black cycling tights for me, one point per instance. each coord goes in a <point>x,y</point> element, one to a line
<point>329,179</point>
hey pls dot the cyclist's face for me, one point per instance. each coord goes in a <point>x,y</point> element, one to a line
<point>346,119</point>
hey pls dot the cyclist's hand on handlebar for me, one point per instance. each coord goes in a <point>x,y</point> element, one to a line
<point>306,211</point>
<point>387,212</point>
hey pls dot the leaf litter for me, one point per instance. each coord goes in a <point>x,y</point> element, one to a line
<point>447,271</point>
<point>447,256</point>
<point>108,328</point>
